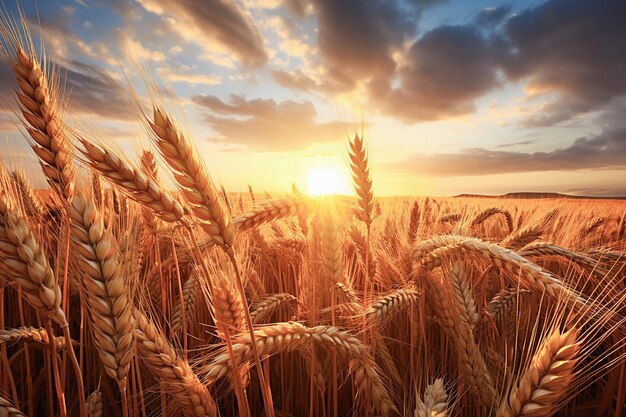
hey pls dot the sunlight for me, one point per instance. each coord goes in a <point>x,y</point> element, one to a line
<point>327,180</point>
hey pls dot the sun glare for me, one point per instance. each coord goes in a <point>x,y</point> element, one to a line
<point>327,180</point>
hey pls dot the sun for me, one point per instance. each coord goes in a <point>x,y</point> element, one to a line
<point>327,180</point>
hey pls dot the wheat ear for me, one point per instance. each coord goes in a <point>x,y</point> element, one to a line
<point>95,407</point>
<point>471,361</point>
<point>501,302</point>
<point>271,210</point>
<point>414,222</point>
<point>30,334</point>
<point>32,205</point>
<point>547,378</point>
<point>175,373</point>
<point>435,402</point>
<point>197,187</point>
<point>140,187</point>
<point>385,307</point>
<point>521,238</point>
<point>463,293</point>
<point>105,289</point>
<point>430,254</point>
<point>25,260</point>
<point>548,249</point>
<point>487,213</point>
<point>191,292</point>
<point>263,310</point>
<point>361,180</point>
<point>284,337</point>
<point>41,111</point>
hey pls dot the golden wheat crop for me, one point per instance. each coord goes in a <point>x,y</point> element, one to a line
<point>128,298</point>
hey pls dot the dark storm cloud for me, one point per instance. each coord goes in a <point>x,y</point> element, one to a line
<point>574,48</point>
<point>491,16</point>
<point>602,151</point>
<point>446,70</point>
<point>266,125</point>
<point>224,22</point>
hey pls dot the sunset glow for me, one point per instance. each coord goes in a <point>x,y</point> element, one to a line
<point>327,180</point>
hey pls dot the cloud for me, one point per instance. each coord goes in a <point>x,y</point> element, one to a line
<point>574,49</point>
<point>357,38</point>
<point>597,191</point>
<point>92,90</point>
<point>492,16</point>
<point>266,125</point>
<point>186,74</point>
<point>296,80</point>
<point>602,151</point>
<point>445,71</point>
<point>214,20</point>
<point>519,143</point>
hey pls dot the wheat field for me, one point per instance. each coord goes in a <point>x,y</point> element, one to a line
<point>122,296</point>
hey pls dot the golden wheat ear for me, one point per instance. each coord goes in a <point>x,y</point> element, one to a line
<point>41,106</point>
<point>174,372</point>
<point>546,379</point>
<point>435,403</point>
<point>359,165</point>
<point>105,288</point>
<point>192,178</point>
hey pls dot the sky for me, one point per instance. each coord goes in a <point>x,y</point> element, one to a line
<point>452,96</point>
